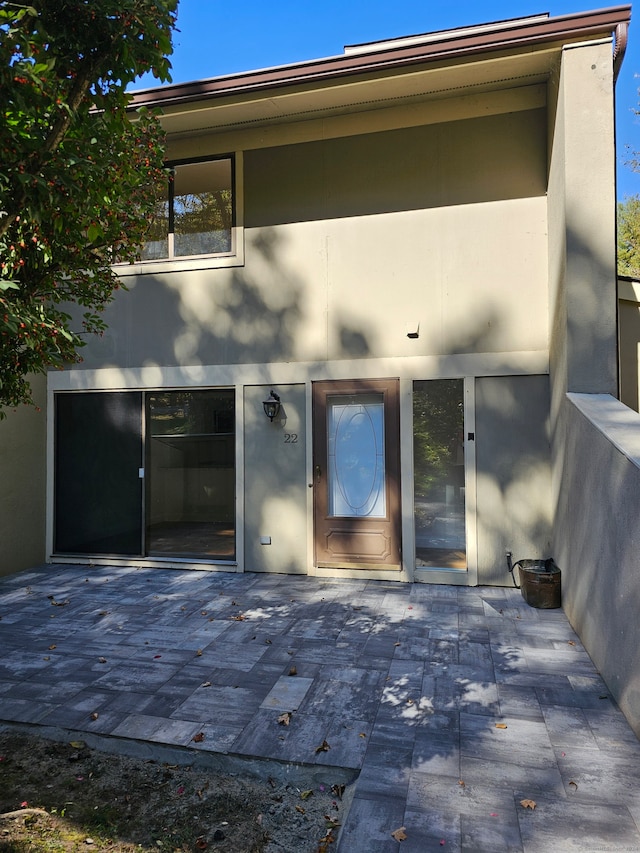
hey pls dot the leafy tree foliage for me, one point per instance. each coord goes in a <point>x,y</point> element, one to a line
<point>629,236</point>
<point>78,177</point>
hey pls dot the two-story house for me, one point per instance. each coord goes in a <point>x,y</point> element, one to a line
<point>370,284</point>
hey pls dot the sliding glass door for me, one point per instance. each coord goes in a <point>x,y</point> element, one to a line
<point>98,485</point>
<point>145,473</point>
<point>190,474</point>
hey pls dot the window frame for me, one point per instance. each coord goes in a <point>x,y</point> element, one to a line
<point>173,263</point>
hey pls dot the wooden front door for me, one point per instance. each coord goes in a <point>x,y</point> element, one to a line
<point>356,466</point>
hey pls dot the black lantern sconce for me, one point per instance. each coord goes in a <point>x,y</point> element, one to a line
<point>271,405</point>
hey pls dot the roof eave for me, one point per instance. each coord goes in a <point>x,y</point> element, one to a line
<point>565,28</point>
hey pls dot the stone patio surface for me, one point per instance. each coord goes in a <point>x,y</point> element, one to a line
<point>446,706</point>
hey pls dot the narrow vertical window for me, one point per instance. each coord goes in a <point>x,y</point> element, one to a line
<point>439,473</point>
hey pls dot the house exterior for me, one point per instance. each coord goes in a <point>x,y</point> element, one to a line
<point>398,246</point>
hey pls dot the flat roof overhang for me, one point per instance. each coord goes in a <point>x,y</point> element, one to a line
<point>506,54</point>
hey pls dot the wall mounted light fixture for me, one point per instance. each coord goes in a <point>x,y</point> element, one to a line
<point>271,405</point>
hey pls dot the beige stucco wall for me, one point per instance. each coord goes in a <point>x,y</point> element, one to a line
<point>351,242</point>
<point>22,484</point>
<point>599,516</point>
<point>513,473</point>
<point>276,493</point>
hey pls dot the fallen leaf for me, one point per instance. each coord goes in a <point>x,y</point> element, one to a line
<point>396,644</point>
<point>198,738</point>
<point>501,725</point>
<point>528,804</point>
<point>304,795</point>
<point>337,791</point>
<point>399,834</point>
<point>575,784</point>
<point>201,843</point>
<point>239,618</point>
<point>46,657</point>
<point>362,734</point>
<point>93,716</point>
<point>269,642</point>
<point>323,844</point>
<point>52,647</point>
<point>77,744</point>
<point>180,790</point>
<point>300,809</point>
<point>293,671</point>
<point>204,612</point>
<point>285,719</point>
<point>571,643</point>
<point>102,660</point>
<point>461,783</point>
<point>324,747</point>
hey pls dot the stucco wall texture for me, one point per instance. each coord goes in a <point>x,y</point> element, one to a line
<point>597,539</point>
<point>22,475</point>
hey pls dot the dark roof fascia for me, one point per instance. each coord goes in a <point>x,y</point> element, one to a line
<point>530,33</point>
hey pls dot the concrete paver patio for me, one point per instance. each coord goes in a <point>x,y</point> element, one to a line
<point>447,706</point>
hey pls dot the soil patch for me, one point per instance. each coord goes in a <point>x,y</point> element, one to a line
<point>65,797</point>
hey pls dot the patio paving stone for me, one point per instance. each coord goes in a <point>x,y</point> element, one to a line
<point>398,686</point>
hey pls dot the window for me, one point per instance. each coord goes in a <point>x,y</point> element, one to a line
<point>196,215</point>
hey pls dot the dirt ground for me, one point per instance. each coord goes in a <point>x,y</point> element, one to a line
<point>63,797</point>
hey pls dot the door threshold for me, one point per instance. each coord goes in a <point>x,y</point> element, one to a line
<point>453,577</point>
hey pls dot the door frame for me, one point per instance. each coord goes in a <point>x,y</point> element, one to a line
<point>453,577</point>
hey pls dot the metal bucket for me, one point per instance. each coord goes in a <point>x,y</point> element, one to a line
<point>540,582</point>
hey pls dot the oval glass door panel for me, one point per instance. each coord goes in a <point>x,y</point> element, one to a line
<point>356,463</point>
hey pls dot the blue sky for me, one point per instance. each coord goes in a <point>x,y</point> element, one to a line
<point>217,38</point>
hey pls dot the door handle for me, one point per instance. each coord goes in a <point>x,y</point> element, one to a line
<point>318,473</point>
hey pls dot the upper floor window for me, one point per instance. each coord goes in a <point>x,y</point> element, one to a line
<point>196,216</point>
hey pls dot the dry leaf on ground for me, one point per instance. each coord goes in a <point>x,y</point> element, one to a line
<point>399,834</point>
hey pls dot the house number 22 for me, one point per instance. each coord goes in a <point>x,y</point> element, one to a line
<point>291,438</point>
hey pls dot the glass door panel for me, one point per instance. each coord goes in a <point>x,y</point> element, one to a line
<point>98,490</point>
<point>191,474</point>
<point>439,473</point>
<point>356,464</point>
